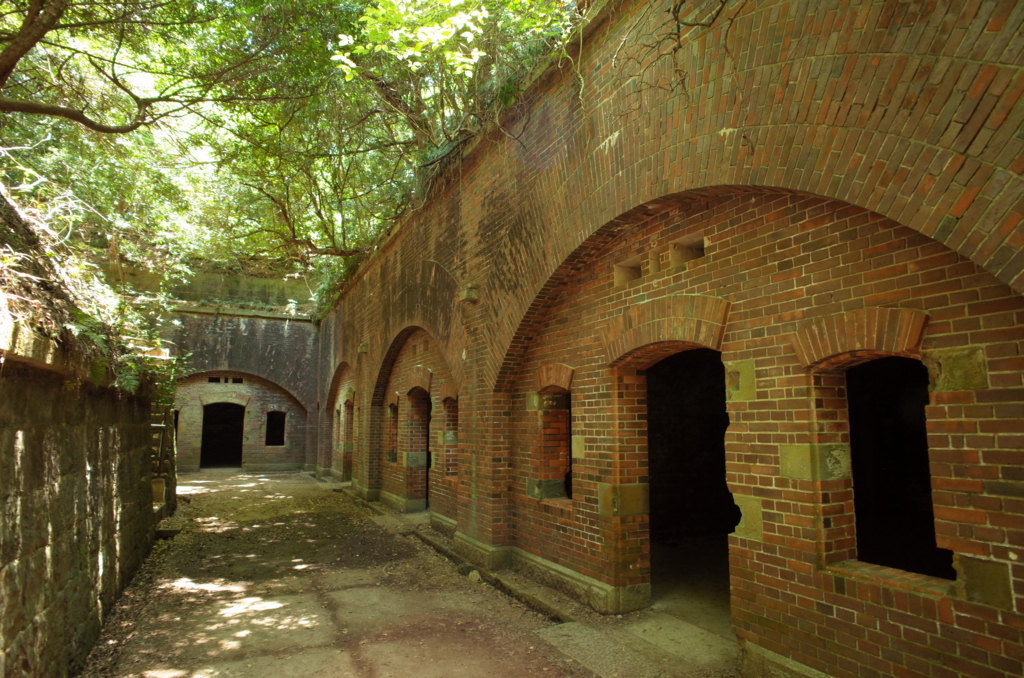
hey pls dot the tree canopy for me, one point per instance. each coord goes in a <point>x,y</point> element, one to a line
<point>255,136</point>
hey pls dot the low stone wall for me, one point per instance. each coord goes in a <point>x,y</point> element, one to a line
<point>76,514</point>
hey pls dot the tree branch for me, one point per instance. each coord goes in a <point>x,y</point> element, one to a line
<point>35,108</point>
<point>39,20</point>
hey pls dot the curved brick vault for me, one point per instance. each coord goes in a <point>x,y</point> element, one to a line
<point>890,128</point>
<point>898,120</point>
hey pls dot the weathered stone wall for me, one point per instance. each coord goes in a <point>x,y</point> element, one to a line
<point>881,145</point>
<point>76,514</point>
<point>212,289</point>
<point>280,350</point>
<point>259,397</point>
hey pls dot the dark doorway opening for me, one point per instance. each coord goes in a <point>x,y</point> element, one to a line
<point>420,458</point>
<point>222,436</point>
<point>892,490</point>
<point>692,511</point>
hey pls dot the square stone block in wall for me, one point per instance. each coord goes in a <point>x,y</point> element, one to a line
<point>815,461</point>
<point>984,581</point>
<point>740,380</point>
<point>957,369</point>
<point>621,500</point>
<point>751,524</point>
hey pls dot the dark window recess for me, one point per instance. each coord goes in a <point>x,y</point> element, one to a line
<point>892,493</point>
<point>176,413</point>
<point>275,428</point>
<point>236,380</point>
<point>214,380</point>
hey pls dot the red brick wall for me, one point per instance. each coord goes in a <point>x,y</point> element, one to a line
<point>416,387</point>
<point>838,156</point>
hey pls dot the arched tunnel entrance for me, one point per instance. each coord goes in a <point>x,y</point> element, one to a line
<point>692,511</point>
<point>222,436</point>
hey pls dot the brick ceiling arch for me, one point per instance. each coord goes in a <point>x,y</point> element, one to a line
<point>427,299</point>
<point>336,380</point>
<point>919,126</point>
<point>380,396</point>
<point>263,381</point>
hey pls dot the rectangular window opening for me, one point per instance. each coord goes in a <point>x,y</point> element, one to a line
<point>275,428</point>
<point>214,380</point>
<point>628,270</point>
<point>686,249</point>
<point>236,380</point>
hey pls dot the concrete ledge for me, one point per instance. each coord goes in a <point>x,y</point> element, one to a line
<point>443,524</point>
<point>484,556</point>
<point>323,472</point>
<point>533,596</point>
<point>271,468</point>
<point>757,662</point>
<point>187,468</point>
<point>195,309</point>
<point>400,504</point>
<point>603,597</point>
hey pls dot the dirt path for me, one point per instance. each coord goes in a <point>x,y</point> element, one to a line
<point>279,575</point>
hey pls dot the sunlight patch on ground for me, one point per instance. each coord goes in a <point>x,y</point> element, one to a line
<point>194,489</point>
<point>186,584</point>
<point>249,605</point>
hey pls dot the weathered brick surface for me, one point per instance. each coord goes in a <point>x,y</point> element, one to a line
<point>838,158</point>
<point>276,357</point>
<point>76,516</point>
<point>259,397</point>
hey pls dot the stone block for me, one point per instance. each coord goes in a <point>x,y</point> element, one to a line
<point>815,461</point>
<point>622,500</point>
<point>986,582</point>
<point>415,459</point>
<point>957,369</point>
<point>545,489</point>
<point>740,380</point>
<point>578,449</point>
<point>751,525</point>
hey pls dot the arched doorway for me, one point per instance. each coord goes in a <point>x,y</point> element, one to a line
<point>692,511</point>
<point>221,445</point>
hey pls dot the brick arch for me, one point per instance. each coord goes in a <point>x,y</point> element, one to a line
<point>844,339</point>
<point>245,375</point>
<point>420,377</point>
<point>678,320</point>
<point>449,391</point>
<point>579,257</point>
<point>205,400</point>
<point>875,115</point>
<point>554,375</point>
<point>379,395</point>
<point>340,373</point>
<point>428,300</point>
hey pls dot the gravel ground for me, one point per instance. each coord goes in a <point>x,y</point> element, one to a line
<point>279,575</point>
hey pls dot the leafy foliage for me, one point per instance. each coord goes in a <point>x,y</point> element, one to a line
<point>269,138</point>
